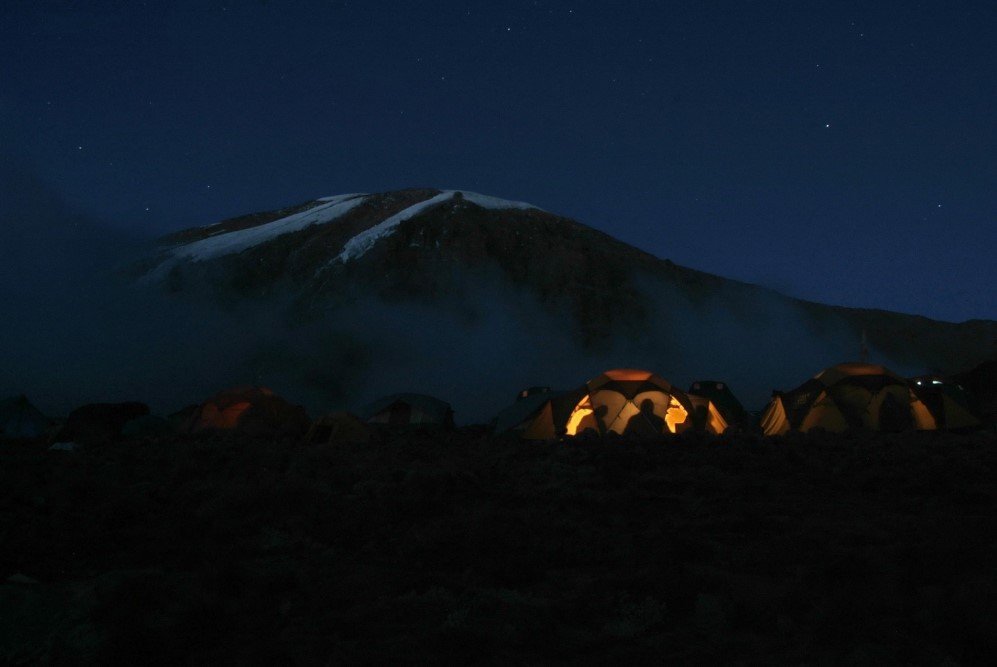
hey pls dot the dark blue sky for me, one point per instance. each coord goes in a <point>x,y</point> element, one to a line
<point>841,152</point>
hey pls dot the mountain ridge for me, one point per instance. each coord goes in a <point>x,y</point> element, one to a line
<point>612,300</point>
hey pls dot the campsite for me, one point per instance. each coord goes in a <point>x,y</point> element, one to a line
<point>371,538</point>
<point>498,333</point>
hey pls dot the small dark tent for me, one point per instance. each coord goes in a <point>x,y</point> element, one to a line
<point>720,394</point>
<point>848,396</point>
<point>20,419</point>
<point>100,421</point>
<point>409,410</point>
<point>339,427</point>
<point>254,411</point>
<point>518,416</point>
<point>980,384</point>
<point>181,419</point>
<point>705,416</point>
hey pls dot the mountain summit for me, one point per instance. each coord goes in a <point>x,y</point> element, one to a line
<point>448,281</point>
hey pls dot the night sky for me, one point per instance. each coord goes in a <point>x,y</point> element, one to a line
<point>836,151</point>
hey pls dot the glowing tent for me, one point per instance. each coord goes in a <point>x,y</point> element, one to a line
<point>623,401</point>
<point>848,396</point>
<point>250,410</point>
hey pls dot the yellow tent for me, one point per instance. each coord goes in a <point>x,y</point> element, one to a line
<point>947,402</point>
<point>626,402</point>
<point>847,396</point>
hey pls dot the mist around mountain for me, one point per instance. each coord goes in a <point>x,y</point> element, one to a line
<point>338,301</point>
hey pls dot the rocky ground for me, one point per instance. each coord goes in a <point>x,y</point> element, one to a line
<point>855,549</point>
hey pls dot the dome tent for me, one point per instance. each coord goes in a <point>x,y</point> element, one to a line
<point>626,402</point>
<point>250,410</point>
<point>848,396</point>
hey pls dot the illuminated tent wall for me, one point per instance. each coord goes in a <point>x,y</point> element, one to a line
<point>848,396</point>
<point>626,402</point>
<point>705,415</point>
<point>946,401</point>
<point>723,399</point>
<point>539,416</point>
<point>409,410</point>
<point>249,410</point>
<point>517,417</point>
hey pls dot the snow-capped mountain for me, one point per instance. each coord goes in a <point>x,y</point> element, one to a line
<point>449,283</point>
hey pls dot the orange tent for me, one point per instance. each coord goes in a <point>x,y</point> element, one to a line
<point>250,410</point>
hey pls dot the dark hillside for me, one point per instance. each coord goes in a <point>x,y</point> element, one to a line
<point>461,548</point>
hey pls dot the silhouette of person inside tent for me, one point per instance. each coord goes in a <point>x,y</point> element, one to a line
<point>645,423</point>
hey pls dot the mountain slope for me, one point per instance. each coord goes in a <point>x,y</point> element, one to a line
<point>468,260</point>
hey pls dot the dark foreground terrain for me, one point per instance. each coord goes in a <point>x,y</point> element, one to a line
<point>856,549</point>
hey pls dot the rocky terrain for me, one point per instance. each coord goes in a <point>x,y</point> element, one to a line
<point>459,547</point>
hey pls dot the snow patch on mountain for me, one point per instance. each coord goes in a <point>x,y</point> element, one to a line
<point>484,201</point>
<point>365,240</point>
<point>357,246</point>
<point>229,243</point>
<point>335,199</point>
